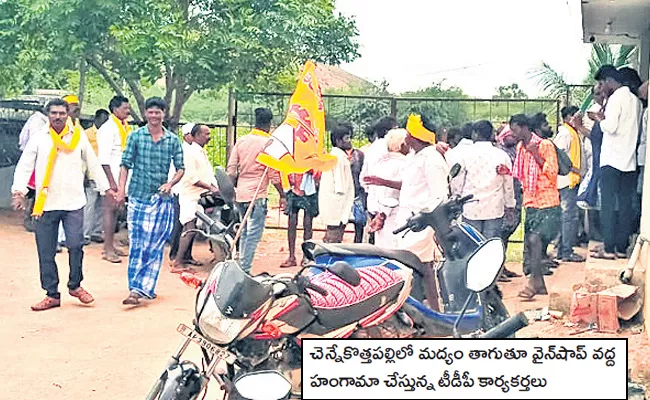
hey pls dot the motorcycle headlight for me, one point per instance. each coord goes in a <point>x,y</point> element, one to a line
<point>216,326</point>
<point>263,385</point>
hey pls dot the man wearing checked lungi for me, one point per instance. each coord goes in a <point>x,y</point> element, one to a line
<point>149,152</point>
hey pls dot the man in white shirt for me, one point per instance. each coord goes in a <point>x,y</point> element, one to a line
<point>111,142</point>
<point>620,126</point>
<point>491,187</point>
<point>336,192</point>
<point>568,140</point>
<point>643,139</point>
<point>457,155</point>
<point>175,238</point>
<point>198,178</point>
<point>372,154</point>
<point>58,153</point>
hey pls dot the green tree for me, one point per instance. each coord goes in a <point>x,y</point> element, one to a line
<point>512,91</point>
<point>439,109</point>
<point>554,83</point>
<point>191,45</point>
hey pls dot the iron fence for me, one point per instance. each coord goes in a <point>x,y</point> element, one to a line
<point>362,111</point>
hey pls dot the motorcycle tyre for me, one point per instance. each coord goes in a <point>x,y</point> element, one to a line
<point>495,311</point>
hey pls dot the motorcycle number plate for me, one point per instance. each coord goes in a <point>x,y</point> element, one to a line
<point>212,348</point>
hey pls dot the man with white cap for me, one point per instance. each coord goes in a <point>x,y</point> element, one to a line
<point>175,238</point>
<point>423,186</point>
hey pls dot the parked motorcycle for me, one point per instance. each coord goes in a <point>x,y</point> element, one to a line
<point>255,325</point>
<point>458,241</point>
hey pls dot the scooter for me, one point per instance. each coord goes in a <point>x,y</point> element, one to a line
<point>458,241</point>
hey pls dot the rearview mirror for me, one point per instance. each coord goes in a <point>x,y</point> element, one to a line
<point>344,271</point>
<point>226,187</point>
<point>484,265</point>
<point>454,171</point>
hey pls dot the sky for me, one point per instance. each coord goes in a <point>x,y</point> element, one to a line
<point>477,45</point>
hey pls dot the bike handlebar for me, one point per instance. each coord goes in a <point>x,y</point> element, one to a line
<point>507,327</point>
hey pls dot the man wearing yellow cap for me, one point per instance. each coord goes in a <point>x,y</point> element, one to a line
<point>424,186</point>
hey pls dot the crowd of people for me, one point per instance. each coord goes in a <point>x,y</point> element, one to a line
<point>582,182</point>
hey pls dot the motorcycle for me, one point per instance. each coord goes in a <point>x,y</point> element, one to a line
<point>250,329</point>
<point>458,241</point>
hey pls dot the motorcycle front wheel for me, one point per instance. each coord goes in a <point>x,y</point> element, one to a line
<point>494,311</point>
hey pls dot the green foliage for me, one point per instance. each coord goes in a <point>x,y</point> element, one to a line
<point>554,84</point>
<point>512,91</point>
<point>192,45</point>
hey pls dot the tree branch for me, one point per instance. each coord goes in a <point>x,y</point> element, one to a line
<point>137,93</point>
<point>103,71</point>
<point>169,85</point>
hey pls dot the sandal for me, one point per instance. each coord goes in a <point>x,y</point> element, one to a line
<point>179,270</point>
<point>121,253</point>
<point>112,257</point>
<point>192,261</point>
<point>132,300</point>
<point>289,263</point>
<point>602,255</point>
<point>528,293</point>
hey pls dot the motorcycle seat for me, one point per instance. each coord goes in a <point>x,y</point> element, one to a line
<point>345,304</point>
<point>403,256</point>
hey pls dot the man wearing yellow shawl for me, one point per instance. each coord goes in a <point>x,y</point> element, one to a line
<point>111,142</point>
<point>58,154</point>
<point>423,186</point>
<point>568,140</point>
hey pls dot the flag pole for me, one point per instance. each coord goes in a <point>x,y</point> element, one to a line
<point>248,212</point>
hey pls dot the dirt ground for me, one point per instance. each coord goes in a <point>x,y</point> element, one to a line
<point>108,351</point>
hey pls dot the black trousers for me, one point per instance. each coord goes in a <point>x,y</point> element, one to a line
<point>47,232</point>
<point>617,187</point>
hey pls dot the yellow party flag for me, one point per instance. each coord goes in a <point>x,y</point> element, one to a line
<point>298,144</point>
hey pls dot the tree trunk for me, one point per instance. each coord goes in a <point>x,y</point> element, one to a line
<point>137,93</point>
<point>82,81</point>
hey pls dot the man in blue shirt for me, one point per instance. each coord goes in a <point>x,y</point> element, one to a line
<point>149,152</point>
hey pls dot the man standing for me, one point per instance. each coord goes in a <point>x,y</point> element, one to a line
<point>336,194</point>
<point>58,154</point>
<point>620,125</point>
<point>424,186</point>
<point>508,143</point>
<point>198,178</point>
<point>175,239</point>
<point>458,154</point>
<point>250,175</point>
<point>568,140</point>
<point>536,167</point>
<point>111,142</point>
<point>492,190</point>
<point>33,124</point>
<point>148,154</point>
<point>359,217</point>
<point>302,195</point>
<point>375,151</point>
<point>94,209</point>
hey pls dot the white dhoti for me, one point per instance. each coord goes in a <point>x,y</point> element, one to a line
<point>188,208</point>
<point>384,237</point>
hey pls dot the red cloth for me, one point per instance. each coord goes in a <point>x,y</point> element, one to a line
<point>32,181</point>
<point>525,167</point>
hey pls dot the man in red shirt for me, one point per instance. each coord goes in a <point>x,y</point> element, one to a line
<point>536,166</point>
